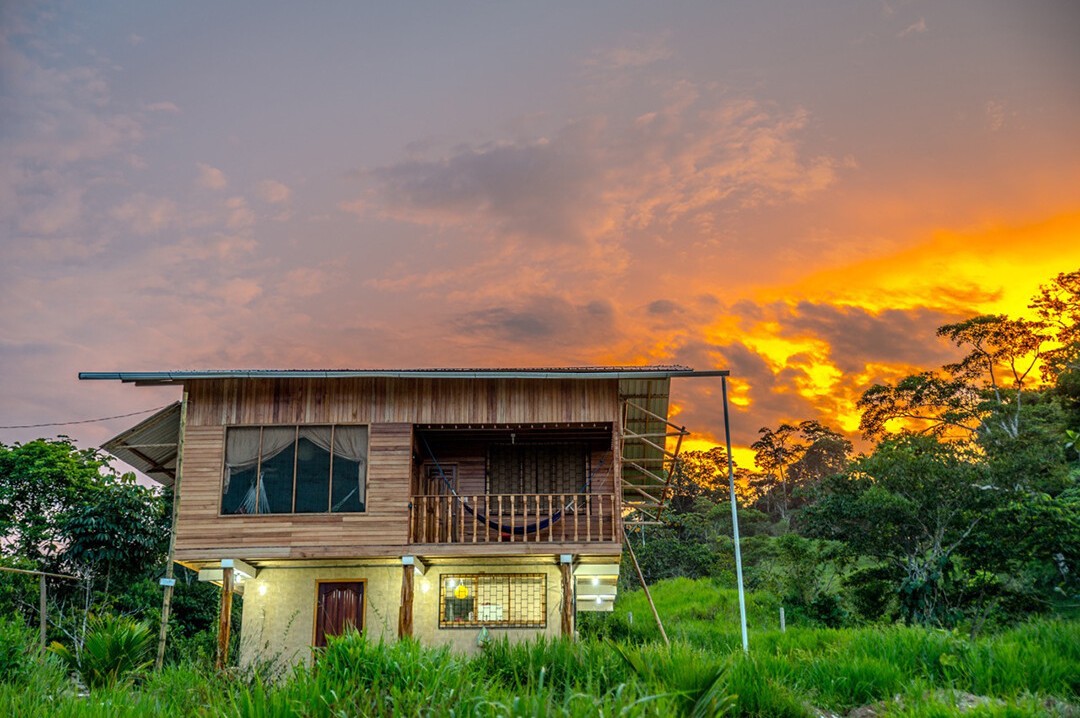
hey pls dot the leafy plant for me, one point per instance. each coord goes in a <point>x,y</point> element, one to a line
<point>114,651</point>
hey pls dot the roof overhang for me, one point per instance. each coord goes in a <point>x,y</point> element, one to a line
<point>151,446</point>
<point>614,372</point>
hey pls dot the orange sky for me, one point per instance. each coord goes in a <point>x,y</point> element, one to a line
<point>797,193</point>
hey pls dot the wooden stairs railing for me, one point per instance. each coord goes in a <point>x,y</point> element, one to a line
<point>647,462</point>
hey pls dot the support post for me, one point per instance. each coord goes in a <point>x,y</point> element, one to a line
<point>405,612</point>
<point>645,586</point>
<point>224,618</point>
<point>783,621</point>
<point>169,581</point>
<point>43,612</point>
<point>734,518</point>
<point>566,568</point>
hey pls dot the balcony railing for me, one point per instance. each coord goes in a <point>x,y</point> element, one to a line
<point>514,518</point>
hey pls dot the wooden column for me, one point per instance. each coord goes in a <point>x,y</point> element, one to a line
<point>567,571</point>
<point>224,618</point>
<point>170,581</point>
<point>405,612</point>
<point>43,611</point>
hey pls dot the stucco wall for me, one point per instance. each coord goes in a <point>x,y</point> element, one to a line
<point>279,608</point>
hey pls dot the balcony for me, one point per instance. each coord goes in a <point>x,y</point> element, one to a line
<point>514,518</point>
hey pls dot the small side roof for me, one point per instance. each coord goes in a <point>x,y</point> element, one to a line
<point>587,372</point>
<point>151,446</point>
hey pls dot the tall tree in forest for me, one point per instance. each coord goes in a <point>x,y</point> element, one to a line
<point>795,456</point>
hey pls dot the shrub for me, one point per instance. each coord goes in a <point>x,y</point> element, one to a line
<point>115,650</point>
<point>18,650</point>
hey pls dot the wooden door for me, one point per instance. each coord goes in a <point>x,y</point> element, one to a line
<point>339,606</point>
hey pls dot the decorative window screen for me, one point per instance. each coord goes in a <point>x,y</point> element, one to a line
<point>537,468</point>
<point>514,600</point>
<point>295,469</point>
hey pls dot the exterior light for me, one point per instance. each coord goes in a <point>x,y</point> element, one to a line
<point>262,589</point>
<point>425,586</point>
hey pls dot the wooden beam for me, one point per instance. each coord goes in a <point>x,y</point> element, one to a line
<point>405,611</point>
<point>224,619</point>
<point>43,612</point>
<point>170,580</point>
<point>567,571</point>
<point>641,577</point>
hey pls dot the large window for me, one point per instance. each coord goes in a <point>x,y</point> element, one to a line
<point>512,600</point>
<point>295,469</point>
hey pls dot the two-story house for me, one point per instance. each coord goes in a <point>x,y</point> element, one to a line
<point>433,503</point>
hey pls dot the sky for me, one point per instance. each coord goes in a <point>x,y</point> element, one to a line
<point>797,192</point>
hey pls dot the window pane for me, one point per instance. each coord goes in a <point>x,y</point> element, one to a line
<point>238,496</point>
<point>312,475</point>
<point>275,493</point>
<point>240,486</point>
<point>349,486</point>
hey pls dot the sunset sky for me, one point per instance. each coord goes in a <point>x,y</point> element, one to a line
<point>798,192</point>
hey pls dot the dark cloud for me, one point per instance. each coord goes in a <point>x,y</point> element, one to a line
<point>543,321</point>
<point>662,307</point>
<point>857,337</point>
<point>541,189</point>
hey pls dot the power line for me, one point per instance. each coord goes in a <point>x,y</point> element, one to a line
<point>84,421</point>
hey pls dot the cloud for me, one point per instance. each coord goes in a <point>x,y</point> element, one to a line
<point>918,27</point>
<point>161,107</point>
<point>639,51</point>
<point>240,215</point>
<point>544,320</point>
<point>145,214</point>
<point>595,181</point>
<point>274,192</point>
<point>211,177</point>
<point>135,40</point>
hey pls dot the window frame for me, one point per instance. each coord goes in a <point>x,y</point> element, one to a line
<point>296,436</point>
<point>491,578</point>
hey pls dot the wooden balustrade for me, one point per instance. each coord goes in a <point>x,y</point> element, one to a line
<point>514,518</point>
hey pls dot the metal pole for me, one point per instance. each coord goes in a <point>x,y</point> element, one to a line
<point>734,518</point>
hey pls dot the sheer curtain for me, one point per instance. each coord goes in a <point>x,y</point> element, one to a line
<point>350,442</point>
<point>242,452</point>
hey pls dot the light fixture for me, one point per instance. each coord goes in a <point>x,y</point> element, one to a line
<point>262,589</point>
<point>425,586</point>
<point>596,580</point>
<point>599,600</point>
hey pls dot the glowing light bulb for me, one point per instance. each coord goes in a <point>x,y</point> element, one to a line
<point>262,589</point>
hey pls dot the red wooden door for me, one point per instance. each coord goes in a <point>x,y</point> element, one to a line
<point>340,606</point>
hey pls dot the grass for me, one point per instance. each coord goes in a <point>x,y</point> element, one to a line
<point>1030,670</point>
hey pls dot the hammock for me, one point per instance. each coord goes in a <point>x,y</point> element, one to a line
<point>504,530</point>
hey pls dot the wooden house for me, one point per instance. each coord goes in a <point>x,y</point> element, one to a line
<point>442,504</point>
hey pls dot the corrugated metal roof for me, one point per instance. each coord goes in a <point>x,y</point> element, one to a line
<point>585,372</point>
<point>151,445</point>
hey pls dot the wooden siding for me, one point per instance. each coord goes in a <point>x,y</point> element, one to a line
<point>203,532</point>
<point>219,402</point>
<point>390,407</point>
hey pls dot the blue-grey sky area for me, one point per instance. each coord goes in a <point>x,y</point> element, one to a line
<point>799,192</point>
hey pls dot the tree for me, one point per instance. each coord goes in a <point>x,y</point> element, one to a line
<point>118,530</point>
<point>40,483</point>
<point>913,504</point>
<point>1058,307</point>
<point>795,457</point>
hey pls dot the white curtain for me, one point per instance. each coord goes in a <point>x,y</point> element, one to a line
<point>242,450</point>
<point>350,442</point>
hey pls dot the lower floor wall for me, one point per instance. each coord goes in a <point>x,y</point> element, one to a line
<point>280,606</point>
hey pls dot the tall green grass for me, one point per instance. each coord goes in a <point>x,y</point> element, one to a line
<point>1031,669</point>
